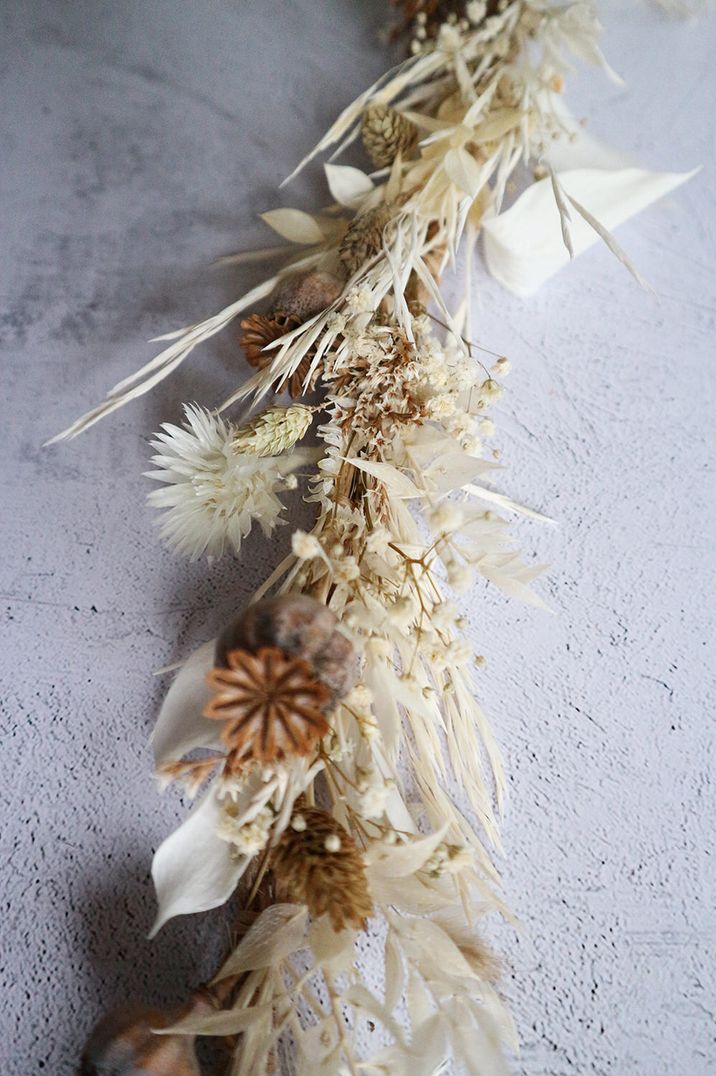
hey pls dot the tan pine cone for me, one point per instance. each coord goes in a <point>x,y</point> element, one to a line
<point>364,237</point>
<point>271,704</point>
<point>386,133</point>
<point>259,330</point>
<point>318,863</point>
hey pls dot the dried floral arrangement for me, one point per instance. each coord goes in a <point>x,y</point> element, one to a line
<point>326,731</point>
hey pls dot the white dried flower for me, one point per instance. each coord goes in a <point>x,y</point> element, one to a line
<point>213,494</point>
<point>487,427</point>
<point>490,390</point>
<point>373,799</point>
<point>247,839</point>
<point>502,367</point>
<point>445,518</point>
<point>332,843</point>
<point>305,546</point>
<point>459,577</point>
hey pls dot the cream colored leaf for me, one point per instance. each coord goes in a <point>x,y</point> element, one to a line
<point>230,1022</point>
<point>180,727</point>
<point>524,247</point>
<point>464,171</point>
<point>394,480</point>
<point>279,931</point>
<point>294,225</point>
<point>349,186</point>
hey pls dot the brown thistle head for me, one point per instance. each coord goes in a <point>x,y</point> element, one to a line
<point>318,863</point>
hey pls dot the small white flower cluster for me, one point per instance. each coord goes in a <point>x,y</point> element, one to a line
<point>448,859</point>
<point>249,838</point>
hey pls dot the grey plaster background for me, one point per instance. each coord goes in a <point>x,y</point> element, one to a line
<point>138,141</point>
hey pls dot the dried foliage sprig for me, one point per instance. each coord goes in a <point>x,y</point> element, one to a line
<point>329,725</point>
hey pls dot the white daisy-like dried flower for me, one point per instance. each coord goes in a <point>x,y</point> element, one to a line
<point>213,494</point>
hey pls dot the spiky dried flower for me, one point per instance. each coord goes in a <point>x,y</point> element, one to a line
<point>260,330</point>
<point>318,863</point>
<point>213,494</point>
<point>274,430</point>
<point>386,133</point>
<point>271,704</point>
<point>364,237</point>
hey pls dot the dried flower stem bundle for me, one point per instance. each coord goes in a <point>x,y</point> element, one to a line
<point>330,721</point>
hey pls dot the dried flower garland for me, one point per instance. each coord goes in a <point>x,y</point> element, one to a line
<point>327,725</point>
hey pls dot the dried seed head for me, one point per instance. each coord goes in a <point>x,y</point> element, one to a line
<point>123,1043</point>
<point>260,330</point>
<point>321,866</point>
<point>271,705</point>
<point>386,133</point>
<point>364,237</point>
<point>303,295</point>
<point>300,627</point>
<point>274,430</point>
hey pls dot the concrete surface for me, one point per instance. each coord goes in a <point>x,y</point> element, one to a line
<point>138,142</point>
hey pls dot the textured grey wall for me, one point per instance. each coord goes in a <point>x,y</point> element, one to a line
<point>139,141</point>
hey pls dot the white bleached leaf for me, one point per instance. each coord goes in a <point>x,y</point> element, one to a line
<point>349,186</point>
<point>180,727</point>
<point>331,947</point>
<point>524,247</point>
<point>464,171</point>
<point>393,479</point>
<point>279,931</point>
<point>231,1022</point>
<point>193,870</point>
<point>294,225</point>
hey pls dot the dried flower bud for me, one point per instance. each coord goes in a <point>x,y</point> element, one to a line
<point>274,430</point>
<point>305,294</point>
<point>320,865</point>
<point>301,627</point>
<point>386,133</point>
<point>123,1043</point>
<point>364,237</point>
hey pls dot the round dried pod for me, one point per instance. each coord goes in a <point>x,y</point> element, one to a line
<point>300,627</point>
<point>364,237</point>
<point>305,294</point>
<point>386,133</point>
<point>123,1043</point>
<point>318,863</point>
<point>259,330</point>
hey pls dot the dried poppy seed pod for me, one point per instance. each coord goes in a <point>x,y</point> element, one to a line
<point>301,627</point>
<point>123,1043</point>
<point>305,294</point>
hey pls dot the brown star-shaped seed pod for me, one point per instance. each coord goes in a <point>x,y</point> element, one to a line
<point>259,330</point>
<point>272,705</point>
